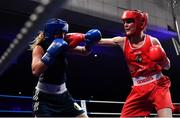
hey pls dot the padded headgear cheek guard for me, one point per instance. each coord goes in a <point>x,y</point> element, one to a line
<point>140,18</point>
<point>145,19</point>
<point>55,26</point>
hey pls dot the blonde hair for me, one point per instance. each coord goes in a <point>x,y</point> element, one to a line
<point>38,39</point>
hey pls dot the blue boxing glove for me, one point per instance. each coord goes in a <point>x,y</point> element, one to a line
<point>92,37</point>
<point>57,46</point>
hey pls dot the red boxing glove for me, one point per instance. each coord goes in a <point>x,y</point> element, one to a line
<point>156,53</point>
<point>73,39</point>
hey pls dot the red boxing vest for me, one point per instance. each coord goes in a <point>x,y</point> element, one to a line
<point>137,59</point>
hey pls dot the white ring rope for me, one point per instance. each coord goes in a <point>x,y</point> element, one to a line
<point>83,105</point>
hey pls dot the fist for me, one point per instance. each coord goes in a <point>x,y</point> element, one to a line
<point>74,39</point>
<point>156,53</point>
<point>93,36</point>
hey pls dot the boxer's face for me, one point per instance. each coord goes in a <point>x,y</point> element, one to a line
<point>129,26</point>
<point>60,35</point>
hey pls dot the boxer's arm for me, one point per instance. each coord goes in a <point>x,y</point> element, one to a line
<point>56,47</point>
<point>37,65</point>
<point>74,39</point>
<point>165,62</point>
<point>115,41</point>
<point>90,38</point>
<point>79,50</point>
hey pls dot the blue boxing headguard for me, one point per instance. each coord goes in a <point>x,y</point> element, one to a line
<point>55,26</point>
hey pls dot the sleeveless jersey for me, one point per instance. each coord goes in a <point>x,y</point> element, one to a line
<point>55,73</point>
<point>137,58</point>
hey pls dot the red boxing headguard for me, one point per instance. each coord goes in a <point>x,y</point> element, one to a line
<point>140,18</point>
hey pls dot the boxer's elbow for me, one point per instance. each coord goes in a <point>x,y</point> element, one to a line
<point>37,69</point>
<point>36,72</point>
<point>80,50</point>
<point>86,52</point>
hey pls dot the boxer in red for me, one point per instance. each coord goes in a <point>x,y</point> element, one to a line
<point>146,59</point>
